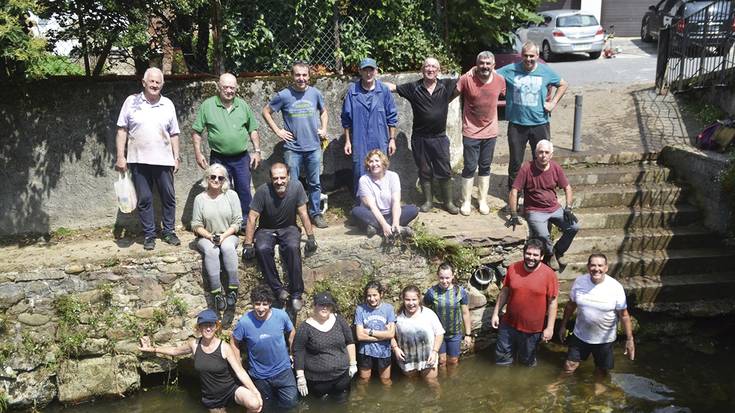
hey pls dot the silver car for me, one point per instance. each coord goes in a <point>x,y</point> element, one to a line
<point>566,31</point>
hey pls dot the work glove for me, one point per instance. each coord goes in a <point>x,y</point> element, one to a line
<point>353,369</point>
<point>248,252</point>
<point>310,246</point>
<point>301,385</point>
<point>569,216</point>
<point>513,221</point>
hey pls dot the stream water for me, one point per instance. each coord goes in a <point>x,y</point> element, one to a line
<point>664,378</point>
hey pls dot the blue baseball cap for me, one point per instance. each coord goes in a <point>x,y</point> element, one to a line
<point>207,316</point>
<point>368,62</point>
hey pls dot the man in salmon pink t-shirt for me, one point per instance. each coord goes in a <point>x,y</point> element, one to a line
<point>480,89</point>
<point>530,290</point>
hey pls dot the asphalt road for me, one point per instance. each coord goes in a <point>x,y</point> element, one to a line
<point>635,64</point>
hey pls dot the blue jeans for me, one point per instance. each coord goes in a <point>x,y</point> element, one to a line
<point>279,389</point>
<point>364,216</point>
<point>512,342</point>
<point>238,167</point>
<point>289,246</point>
<point>538,225</point>
<point>144,177</point>
<point>478,154</point>
<point>312,162</point>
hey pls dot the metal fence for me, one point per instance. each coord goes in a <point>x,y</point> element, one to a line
<point>695,51</point>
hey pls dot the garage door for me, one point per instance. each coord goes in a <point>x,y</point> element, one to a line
<point>558,4</point>
<point>626,15</point>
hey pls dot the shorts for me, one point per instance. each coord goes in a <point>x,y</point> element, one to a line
<point>369,362</point>
<point>452,345</point>
<point>601,353</point>
<point>222,399</point>
<point>512,343</point>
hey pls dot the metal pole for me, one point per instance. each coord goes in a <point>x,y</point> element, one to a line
<point>577,123</point>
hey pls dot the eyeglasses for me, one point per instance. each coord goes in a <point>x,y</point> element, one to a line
<point>216,178</point>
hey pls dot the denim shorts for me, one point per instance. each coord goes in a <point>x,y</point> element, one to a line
<point>452,345</point>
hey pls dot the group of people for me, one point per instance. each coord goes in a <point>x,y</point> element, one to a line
<point>428,330</point>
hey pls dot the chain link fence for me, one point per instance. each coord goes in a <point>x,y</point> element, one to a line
<point>268,35</point>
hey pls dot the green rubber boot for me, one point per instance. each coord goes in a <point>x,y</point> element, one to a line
<point>429,199</point>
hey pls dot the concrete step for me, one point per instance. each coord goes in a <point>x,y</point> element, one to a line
<point>680,288</point>
<point>646,194</point>
<point>643,239</point>
<point>632,218</point>
<point>655,263</point>
<point>572,159</point>
<point>617,174</point>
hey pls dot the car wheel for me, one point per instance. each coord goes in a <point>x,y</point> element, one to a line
<point>546,52</point>
<point>594,55</point>
<point>645,36</point>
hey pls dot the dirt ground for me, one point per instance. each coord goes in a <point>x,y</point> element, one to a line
<point>615,119</point>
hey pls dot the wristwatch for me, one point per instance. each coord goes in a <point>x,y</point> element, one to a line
<point>370,332</point>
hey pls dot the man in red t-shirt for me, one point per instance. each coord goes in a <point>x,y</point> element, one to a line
<point>480,89</point>
<point>530,290</point>
<point>538,179</point>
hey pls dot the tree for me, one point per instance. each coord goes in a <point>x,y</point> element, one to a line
<point>20,52</point>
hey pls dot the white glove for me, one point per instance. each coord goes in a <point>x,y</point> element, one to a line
<point>353,369</point>
<point>301,384</point>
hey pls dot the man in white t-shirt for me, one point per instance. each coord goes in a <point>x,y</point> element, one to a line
<point>600,301</point>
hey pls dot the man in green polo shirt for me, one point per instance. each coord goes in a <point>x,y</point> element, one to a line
<point>229,121</point>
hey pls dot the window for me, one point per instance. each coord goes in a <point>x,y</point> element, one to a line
<point>576,20</point>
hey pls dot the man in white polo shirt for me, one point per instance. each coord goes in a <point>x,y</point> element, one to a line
<point>148,129</point>
<point>600,301</point>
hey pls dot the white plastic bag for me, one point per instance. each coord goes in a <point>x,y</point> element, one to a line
<point>127,199</point>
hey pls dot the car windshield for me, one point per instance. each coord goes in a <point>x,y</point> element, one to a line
<point>576,20</point>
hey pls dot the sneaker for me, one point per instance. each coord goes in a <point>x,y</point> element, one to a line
<point>371,231</point>
<point>283,295</point>
<point>172,239</point>
<point>297,304</point>
<point>149,243</point>
<point>318,221</point>
<point>561,264</point>
<point>232,298</point>
<point>220,302</point>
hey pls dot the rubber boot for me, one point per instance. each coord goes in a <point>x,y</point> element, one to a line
<point>483,184</point>
<point>446,186</point>
<point>466,196</point>
<point>428,197</point>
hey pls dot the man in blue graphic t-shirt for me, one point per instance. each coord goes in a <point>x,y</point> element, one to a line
<point>305,123</point>
<point>262,332</point>
<point>527,107</point>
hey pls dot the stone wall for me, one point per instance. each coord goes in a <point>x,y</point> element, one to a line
<point>701,172</point>
<point>58,146</point>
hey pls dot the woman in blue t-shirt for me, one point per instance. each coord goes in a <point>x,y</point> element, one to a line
<point>375,327</point>
<point>450,302</point>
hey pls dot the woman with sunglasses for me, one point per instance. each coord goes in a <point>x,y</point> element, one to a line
<point>216,218</point>
<point>223,380</point>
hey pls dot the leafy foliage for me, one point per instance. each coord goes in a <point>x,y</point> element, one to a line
<point>20,52</point>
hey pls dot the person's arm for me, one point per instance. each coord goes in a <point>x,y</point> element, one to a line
<point>434,355</point>
<point>500,303</point>
<point>391,140</point>
<point>196,139</point>
<point>348,144</point>
<point>175,150</point>
<point>346,118</point>
<point>291,336</point>
<point>391,86</point>
<point>250,229</point>
<point>255,156</point>
<point>628,328</point>
<point>395,209</point>
<point>323,123</point>
<point>397,350</point>
<point>513,201</point>
<point>121,140</point>
<point>550,319</point>
<point>305,221</point>
<point>467,321</point>
<point>280,132</point>
<point>569,309</point>
<point>391,119</point>
<point>235,347</point>
<point>184,349</point>
<point>373,207</point>
<point>568,196</point>
<point>352,355</point>
<point>240,372</point>
<point>558,94</point>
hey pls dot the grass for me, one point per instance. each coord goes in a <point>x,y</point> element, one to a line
<point>463,258</point>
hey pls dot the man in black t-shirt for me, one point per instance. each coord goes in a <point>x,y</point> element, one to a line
<point>429,98</point>
<point>275,206</point>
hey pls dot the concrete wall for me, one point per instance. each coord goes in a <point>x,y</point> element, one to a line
<point>58,147</point>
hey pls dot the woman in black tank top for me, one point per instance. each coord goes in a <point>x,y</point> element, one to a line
<point>223,380</point>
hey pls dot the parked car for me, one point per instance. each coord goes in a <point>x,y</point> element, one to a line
<point>697,25</point>
<point>566,31</point>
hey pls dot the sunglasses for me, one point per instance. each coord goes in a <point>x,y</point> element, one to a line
<point>216,178</point>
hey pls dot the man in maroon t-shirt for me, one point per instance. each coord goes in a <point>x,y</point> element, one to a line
<point>529,289</point>
<point>538,179</point>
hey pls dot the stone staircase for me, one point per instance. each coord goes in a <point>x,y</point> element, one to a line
<point>631,210</point>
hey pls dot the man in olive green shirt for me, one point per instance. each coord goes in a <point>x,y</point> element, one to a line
<point>229,121</point>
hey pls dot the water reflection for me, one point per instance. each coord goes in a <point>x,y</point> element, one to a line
<point>665,379</point>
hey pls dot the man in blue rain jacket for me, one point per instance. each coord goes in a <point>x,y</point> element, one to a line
<point>369,118</point>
